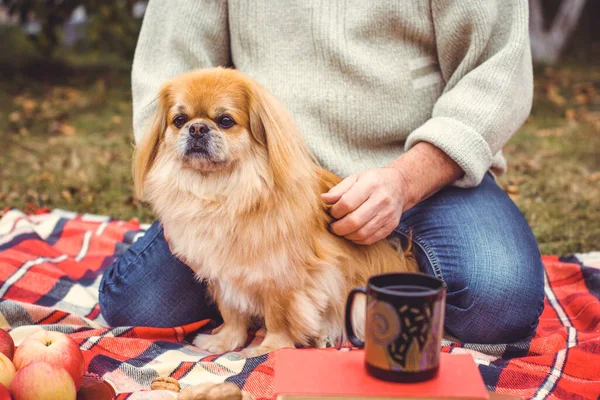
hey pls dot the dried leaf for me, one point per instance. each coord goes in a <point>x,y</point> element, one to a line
<point>570,115</point>
<point>62,128</point>
<point>512,189</point>
<point>65,194</point>
<point>29,105</point>
<point>75,160</point>
<point>45,176</point>
<point>117,119</point>
<point>595,177</point>
<point>582,98</point>
<point>18,100</point>
<point>533,165</point>
<point>14,116</point>
<point>83,176</point>
<point>67,130</point>
<point>550,132</point>
<point>553,94</point>
<point>11,197</point>
<point>33,195</point>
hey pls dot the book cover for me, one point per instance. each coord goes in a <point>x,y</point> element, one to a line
<point>330,374</point>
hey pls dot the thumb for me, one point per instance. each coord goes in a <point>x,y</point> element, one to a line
<point>338,190</point>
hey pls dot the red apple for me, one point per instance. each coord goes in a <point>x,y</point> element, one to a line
<point>42,381</point>
<point>7,370</point>
<point>4,393</point>
<point>7,345</point>
<point>54,348</point>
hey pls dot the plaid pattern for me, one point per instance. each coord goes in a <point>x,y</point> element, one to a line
<point>50,267</point>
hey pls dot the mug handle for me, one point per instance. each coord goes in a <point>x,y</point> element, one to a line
<point>351,335</point>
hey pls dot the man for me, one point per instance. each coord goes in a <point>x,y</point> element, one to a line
<point>410,101</point>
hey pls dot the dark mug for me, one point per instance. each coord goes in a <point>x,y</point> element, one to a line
<point>404,326</point>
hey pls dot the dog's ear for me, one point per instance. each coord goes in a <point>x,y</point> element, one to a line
<point>145,152</point>
<point>273,127</point>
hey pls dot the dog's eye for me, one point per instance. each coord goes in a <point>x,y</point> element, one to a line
<point>179,120</point>
<point>225,121</point>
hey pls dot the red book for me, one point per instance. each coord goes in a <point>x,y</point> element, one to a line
<point>330,374</point>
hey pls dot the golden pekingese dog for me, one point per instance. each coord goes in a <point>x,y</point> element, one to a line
<point>238,194</point>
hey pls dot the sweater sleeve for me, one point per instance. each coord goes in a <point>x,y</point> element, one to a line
<point>485,61</point>
<point>176,36</point>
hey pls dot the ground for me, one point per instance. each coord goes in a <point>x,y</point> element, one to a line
<point>65,132</point>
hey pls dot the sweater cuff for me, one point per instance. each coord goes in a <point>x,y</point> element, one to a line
<point>461,143</point>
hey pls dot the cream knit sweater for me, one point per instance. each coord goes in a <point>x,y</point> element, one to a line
<point>364,79</point>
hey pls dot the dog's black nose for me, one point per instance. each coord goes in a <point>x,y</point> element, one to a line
<point>198,129</point>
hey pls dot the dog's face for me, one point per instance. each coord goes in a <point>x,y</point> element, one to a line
<point>215,120</point>
<point>207,121</point>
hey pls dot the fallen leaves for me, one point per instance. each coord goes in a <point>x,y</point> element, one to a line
<point>512,189</point>
<point>567,91</point>
<point>548,132</point>
<point>14,116</point>
<point>62,128</point>
<point>553,94</point>
<point>595,177</point>
<point>55,109</point>
<point>65,194</point>
<point>67,148</point>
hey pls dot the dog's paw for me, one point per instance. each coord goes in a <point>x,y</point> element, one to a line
<point>271,342</point>
<point>321,342</point>
<point>219,343</point>
<point>257,351</point>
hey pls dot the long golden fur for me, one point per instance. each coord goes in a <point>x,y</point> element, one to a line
<point>245,213</point>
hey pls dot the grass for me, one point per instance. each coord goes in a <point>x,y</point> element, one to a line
<point>554,161</point>
<point>66,138</point>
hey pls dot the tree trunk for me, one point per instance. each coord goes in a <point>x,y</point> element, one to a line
<point>547,45</point>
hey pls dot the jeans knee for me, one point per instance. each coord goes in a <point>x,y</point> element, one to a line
<point>119,308</point>
<point>110,313</point>
<point>504,313</point>
<point>153,291</point>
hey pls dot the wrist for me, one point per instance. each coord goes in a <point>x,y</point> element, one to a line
<point>405,190</point>
<point>424,170</point>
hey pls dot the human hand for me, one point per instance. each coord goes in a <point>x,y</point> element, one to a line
<point>368,205</point>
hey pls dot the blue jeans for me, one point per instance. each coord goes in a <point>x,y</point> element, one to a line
<point>476,240</point>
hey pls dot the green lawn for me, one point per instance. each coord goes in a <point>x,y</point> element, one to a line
<point>67,142</point>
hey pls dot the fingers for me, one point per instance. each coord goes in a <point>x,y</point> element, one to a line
<point>365,206</point>
<point>357,219</point>
<point>338,190</point>
<point>378,227</point>
<point>352,199</point>
<point>382,233</point>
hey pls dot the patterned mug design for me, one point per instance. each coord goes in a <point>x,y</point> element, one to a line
<point>406,338</point>
<point>383,323</point>
<point>403,332</point>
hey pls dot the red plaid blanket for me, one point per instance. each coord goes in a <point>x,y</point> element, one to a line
<point>50,267</point>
